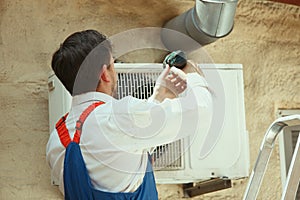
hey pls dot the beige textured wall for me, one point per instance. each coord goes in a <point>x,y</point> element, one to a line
<point>265,39</point>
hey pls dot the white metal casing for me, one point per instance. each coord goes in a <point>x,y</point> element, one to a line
<point>227,157</point>
<point>59,100</point>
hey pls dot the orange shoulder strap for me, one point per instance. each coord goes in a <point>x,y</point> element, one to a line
<point>63,132</point>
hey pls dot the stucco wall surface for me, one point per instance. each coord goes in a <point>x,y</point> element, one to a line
<point>265,39</point>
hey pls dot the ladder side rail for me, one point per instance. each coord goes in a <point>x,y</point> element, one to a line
<point>293,178</point>
<point>263,158</point>
<point>266,148</point>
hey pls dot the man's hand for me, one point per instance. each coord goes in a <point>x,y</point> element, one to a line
<point>169,84</point>
<point>192,67</point>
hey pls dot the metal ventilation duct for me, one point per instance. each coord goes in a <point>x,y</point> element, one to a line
<point>203,24</point>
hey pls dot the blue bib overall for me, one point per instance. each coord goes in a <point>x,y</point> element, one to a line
<point>77,183</point>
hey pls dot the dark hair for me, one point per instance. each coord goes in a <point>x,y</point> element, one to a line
<point>79,60</point>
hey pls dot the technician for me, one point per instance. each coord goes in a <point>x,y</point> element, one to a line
<point>100,149</point>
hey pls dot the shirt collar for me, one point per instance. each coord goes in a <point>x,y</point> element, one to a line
<point>90,96</point>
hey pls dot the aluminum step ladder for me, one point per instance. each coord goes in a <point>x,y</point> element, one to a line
<point>293,177</point>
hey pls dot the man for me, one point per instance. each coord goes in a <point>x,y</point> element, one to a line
<point>115,136</point>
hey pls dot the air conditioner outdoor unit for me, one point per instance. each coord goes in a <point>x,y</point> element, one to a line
<point>222,153</point>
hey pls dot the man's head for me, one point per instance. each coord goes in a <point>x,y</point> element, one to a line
<point>84,63</point>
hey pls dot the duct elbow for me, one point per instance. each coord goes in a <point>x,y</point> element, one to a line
<point>207,21</point>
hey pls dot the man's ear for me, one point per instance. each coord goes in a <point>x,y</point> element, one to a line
<point>104,76</point>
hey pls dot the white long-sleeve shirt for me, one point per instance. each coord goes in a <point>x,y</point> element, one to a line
<point>117,135</point>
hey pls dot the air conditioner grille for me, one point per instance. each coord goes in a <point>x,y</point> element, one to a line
<point>168,156</point>
<point>140,85</point>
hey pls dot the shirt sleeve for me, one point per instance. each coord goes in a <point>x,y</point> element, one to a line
<point>144,124</point>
